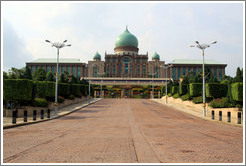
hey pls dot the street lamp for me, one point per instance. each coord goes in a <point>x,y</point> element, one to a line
<point>203,47</point>
<point>152,84</point>
<point>101,74</point>
<point>58,46</point>
<point>90,81</point>
<point>166,67</point>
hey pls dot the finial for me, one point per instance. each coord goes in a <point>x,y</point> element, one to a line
<point>126,27</point>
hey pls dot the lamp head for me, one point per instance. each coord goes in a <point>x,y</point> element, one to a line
<point>47,41</point>
<point>68,45</point>
<point>64,41</point>
<point>192,46</point>
<point>196,42</point>
<point>214,42</point>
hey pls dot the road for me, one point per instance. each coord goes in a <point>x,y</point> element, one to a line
<point>124,131</point>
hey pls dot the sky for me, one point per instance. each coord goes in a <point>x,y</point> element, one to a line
<point>165,27</point>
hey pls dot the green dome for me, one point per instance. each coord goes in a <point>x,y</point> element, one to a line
<point>126,39</point>
<point>156,56</point>
<point>97,56</point>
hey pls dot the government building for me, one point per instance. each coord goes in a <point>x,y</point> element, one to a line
<point>126,65</point>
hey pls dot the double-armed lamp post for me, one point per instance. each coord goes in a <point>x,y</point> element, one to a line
<point>166,67</point>
<point>203,47</point>
<point>58,46</point>
<point>101,75</point>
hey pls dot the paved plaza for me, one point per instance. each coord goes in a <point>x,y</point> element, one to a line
<point>124,131</point>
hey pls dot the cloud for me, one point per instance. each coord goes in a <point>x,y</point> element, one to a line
<point>14,48</point>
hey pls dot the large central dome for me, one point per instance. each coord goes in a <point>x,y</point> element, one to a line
<point>126,39</point>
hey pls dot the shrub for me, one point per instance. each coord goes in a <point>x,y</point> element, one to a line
<point>219,103</point>
<point>45,89</point>
<point>17,89</point>
<point>75,90</point>
<point>71,97</point>
<point>185,97</point>
<point>237,91</point>
<point>183,89</point>
<point>63,89</point>
<point>175,89</point>
<point>169,94</point>
<point>216,90</point>
<point>60,99</point>
<point>176,96</point>
<point>40,102</point>
<point>197,100</point>
<point>195,89</point>
<point>84,89</point>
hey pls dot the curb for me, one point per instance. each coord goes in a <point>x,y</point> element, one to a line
<point>39,121</point>
<point>198,116</point>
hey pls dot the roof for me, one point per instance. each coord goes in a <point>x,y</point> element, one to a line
<point>126,39</point>
<point>195,61</point>
<point>54,60</point>
<point>97,56</point>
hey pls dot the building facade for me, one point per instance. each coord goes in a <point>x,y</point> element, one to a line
<point>126,62</point>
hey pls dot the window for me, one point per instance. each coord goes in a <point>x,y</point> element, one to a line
<point>68,70</point>
<point>37,67</point>
<point>126,61</point>
<point>156,72</point>
<point>114,59</point>
<point>215,72</point>
<point>95,71</point>
<point>199,70</point>
<point>78,72</point>
<point>179,72</point>
<point>138,69</point>
<point>53,69</point>
<point>174,74</point>
<point>63,69</point>
<point>220,73</point>
<point>32,68</point>
<point>73,68</point>
<point>144,60</point>
<point>113,69</point>
<point>189,69</point>
<point>48,69</point>
<point>138,60</point>
<point>144,71</point>
<point>194,71</point>
<point>184,71</point>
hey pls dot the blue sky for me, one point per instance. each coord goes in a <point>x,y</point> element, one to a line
<point>167,28</point>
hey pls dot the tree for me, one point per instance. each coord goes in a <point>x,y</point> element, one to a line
<point>83,81</point>
<point>39,75</point>
<point>5,75</point>
<point>63,78</point>
<point>27,73</point>
<point>74,80</point>
<point>50,76</point>
<point>239,76</point>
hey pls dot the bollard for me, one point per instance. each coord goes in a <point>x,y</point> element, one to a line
<point>212,114</point>
<point>14,117</point>
<point>34,114</point>
<point>48,113</point>
<point>25,115</point>
<point>42,114</point>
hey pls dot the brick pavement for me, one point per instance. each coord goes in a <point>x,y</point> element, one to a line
<point>124,131</point>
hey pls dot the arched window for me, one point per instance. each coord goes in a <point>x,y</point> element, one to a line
<point>95,71</point>
<point>126,61</point>
<point>156,72</point>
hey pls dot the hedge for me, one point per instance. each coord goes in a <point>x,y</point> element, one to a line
<point>39,102</point>
<point>216,90</point>
<point>63,89</point>
<point>75,90</point>
<point>175,89</point>
<point>45,89</point>
<point>17,89</point>
<point>183,89</point>
<point>219,103</point>
<point>84,89</point>
<point>195,89</point>
<point>237,91</point>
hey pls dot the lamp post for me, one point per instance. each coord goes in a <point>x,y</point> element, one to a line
<point>58,46</point>
<point>101,74</point>
<point>89,81</point>
<point>166,67</point>
<point>152,84</point>
<point>203,47</point>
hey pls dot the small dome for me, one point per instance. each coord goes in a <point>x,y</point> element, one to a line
<point>126,39</point>
<point>156,56</point>
<point>97,56</point>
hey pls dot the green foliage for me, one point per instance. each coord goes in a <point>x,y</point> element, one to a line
<point>63,78</point>
<point>39,102</point>
<point>219,103</point>
<point>195,89</point>
<point>197,100</point>
<point>45,89</point>
<point>216,90</point>
<point>84,89</point>
<point>50,76</point>
<point>176,96</point>
<point>75,90</point>
<point>27,73</point>
<point>71,97</point>
<point>237,91</point>
<point>83,81</point>
<point>185,97</point>
<point>175,89</point>
<point>5,75</point>
<point>17,89</point>
<point>239,76</point>
<point>183,88</point>
<point>39,75</point>
<point>74,80</point>
<point>63,89</point>
<point>169,94</point>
